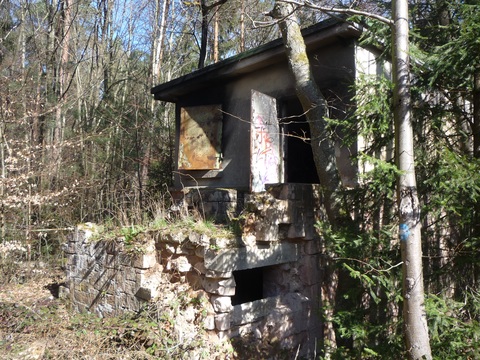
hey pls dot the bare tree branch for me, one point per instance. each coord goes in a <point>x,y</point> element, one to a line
<point>330,9</point>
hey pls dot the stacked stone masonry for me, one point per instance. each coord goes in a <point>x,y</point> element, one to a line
<point>278,239</point>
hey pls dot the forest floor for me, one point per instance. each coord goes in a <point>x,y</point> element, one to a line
<point>32,318</point>
<point>36,324</point>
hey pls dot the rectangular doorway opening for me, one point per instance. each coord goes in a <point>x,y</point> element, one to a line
<point>298,155</point>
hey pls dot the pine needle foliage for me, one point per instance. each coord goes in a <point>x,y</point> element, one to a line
<point>367,313</point>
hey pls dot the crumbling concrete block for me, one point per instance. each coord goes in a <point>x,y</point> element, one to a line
<point>144,261</point>
<point>222,321</point>
<point>181,264</point>
<point>224,287</point>
<point>102,278</point>
<point>221,304</point>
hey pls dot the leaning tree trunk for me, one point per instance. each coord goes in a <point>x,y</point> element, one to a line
<point>415,321</point>
<point>315,107</point>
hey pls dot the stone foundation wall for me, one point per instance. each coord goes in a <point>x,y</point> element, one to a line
<point>220,205</point>
<point>102,277</point>
<point>109,277</point>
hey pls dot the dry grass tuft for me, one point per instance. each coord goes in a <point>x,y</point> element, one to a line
<point>35,324</point>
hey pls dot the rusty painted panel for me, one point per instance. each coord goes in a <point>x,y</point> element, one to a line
<point>265,163</point>
<point>200,137</point>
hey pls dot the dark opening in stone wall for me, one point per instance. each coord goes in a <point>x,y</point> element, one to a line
<point>259,283</point>
<point>249,285</point>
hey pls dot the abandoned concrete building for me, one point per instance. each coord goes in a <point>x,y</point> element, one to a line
<point>241,151</point>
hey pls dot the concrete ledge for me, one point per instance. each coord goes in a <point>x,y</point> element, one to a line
<point>256,310</point>
<point>251,257</point>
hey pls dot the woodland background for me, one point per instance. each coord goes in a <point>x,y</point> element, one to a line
<point>81,139</point>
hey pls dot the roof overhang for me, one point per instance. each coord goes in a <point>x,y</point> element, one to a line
<point>315,36</point>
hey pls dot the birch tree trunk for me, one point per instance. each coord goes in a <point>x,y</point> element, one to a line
<point>476,112</point>
<point>476,149</point>
<point>215,37</point>
<point>416,330</point>
<point>242,27</point>
<point>159,32</point>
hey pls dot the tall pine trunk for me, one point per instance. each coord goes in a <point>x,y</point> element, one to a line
<point>206,9</point>
<point>63,39</point>
<point>415,321</point>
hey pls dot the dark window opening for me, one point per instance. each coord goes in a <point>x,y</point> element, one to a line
<point>299,163</point>
<point>258,283</point>
<point>249,285</point>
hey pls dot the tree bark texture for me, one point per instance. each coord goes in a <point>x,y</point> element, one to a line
<point>160,20</point>
<point>63,40</point>
<point>206,9</point>
<point>315,106</point>
<point>476,113</point>
<point>415,321</point>
<point>476,145</point>
<point>215,37</point>
<point>242,27</point>
<point>107,43</point>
